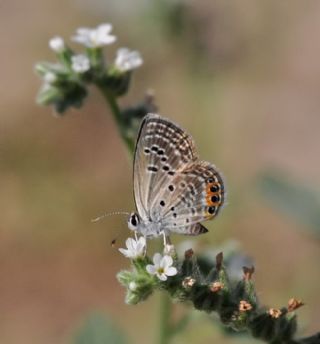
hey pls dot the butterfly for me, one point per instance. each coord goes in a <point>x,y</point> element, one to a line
<point>174,191</point>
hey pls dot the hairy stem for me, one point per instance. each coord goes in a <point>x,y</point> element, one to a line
<point>165,306</point>
<point>115,109</point>
<point>165,316</point>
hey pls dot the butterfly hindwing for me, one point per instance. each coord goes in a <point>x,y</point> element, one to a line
<point>197,196</point>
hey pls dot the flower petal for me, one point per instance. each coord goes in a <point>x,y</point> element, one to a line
<point>140,250</point>
<point>129,244</point>
<point>166,262</point>
<point>157,259</point>
<point>171,271</point>
<point>151,269</point>
<point>162,277</point>
<point>106,27</point>
<point>142,241</point>
<point>83,31</point>
<point>125,252</point>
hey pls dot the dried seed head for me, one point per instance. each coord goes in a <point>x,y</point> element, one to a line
<point>188,282</point>
<point>274,313</point>
<point>189,253</point>
<point>294,304</point>
<point>216,286</point>
<point>244,306</point>
<point>219,260</point>
<point>248,272</point>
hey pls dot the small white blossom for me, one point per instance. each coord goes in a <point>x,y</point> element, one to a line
<point>94,38</point>
<point>80,63</point>
<point>127,60</point>
<point>132,286</point>
<point>57,44</point>
<point>162,267</point>
<point>135,248</point>
<point>49,77</point>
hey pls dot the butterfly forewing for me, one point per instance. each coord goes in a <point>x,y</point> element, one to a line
<point>162,149</point>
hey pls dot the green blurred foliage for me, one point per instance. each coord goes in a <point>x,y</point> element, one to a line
<point>98,329</point>
<point>292,198</point>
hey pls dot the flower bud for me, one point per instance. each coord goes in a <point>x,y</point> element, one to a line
<point>139,286</point>
<point>117,84</point>
<point>216,287</point>
<point>48,95</point>
<point>188,282</point>
<point>294,304</point>
<point>57,44</point>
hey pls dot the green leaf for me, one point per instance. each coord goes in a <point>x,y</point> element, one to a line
<point>97,329</point>
<point>292,198</point>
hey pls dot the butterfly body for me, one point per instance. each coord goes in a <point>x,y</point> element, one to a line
<point>146,227</point>
<point>174,191</point>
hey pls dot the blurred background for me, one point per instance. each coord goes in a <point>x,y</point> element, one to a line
<point>243,77</point>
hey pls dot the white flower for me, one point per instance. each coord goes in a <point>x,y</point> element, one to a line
<point>135,248</point>
<point>94,38</point>
<point>133,286</point>
<point>127,60</point>
<point>80,63</point>
<point>57,44</point>
<point>162,267</point>
<point>49,77</point>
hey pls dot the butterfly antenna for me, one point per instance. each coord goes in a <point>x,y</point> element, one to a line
<point>109,214</point>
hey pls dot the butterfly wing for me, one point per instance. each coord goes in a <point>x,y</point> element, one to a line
<point>195,195</point>
<point>162,150</point>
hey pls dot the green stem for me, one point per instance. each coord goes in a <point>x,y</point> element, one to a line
<point>165,316</point>
<point>115,109</point>
<point>165,302</point>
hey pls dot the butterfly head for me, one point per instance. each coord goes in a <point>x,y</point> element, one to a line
<point>134,221</point>
<point>147,228</point>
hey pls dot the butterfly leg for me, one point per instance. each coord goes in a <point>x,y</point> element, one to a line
<point>166,239</point>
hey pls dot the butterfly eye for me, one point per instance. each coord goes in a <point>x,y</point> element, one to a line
<point>133,221</point>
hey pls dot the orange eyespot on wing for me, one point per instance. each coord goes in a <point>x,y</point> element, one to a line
<point>214,197</point>
<point>213,194</point>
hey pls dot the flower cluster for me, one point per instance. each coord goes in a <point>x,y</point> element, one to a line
<point>162,264</point>
<point>207,285</point>
<point>65,82</point>
<point>147,274</point>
